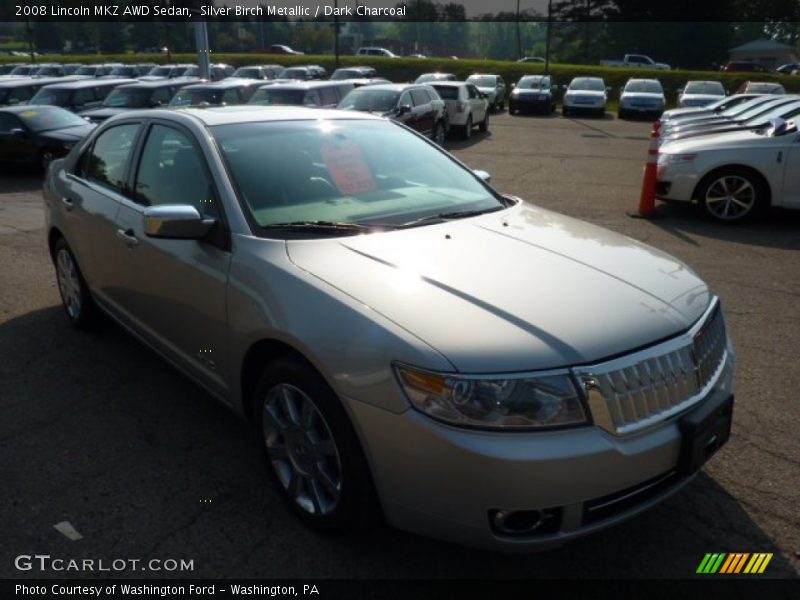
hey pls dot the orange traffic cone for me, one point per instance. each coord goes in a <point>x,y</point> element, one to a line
<point>647,198</point>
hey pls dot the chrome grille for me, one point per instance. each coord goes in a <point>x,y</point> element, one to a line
<point>638,390</point>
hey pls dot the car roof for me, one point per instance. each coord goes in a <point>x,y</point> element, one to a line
<point>7,83</point>
<point>447,83</point>
<point>484,75</point>
<point>395,87</point>
<point>638,79</point>
<point>223,84</point>
<point>23,107</point>
<point>248,113</point>
<point>303,85</point>
<point>158,83</point>
<point>85,83</point>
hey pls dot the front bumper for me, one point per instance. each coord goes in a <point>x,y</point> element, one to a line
<point>676,182</point>
<point>445,482</point>
<point>540,102</point>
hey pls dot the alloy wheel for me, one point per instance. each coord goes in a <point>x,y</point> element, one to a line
<point>730,197</point>
<point>302,449</point>
<point>69,284</point>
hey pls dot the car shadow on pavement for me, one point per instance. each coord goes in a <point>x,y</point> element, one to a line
<point>456,142</point>
<point>99,432</point>
<point>778,228</point>
<point>19,179</point>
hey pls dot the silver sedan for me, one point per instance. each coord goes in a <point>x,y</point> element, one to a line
<point>345,285</point>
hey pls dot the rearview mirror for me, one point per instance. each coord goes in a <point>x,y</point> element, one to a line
<point>18,132</point>
<point>403,109</point>
<point>483,175</point>
<point>176,221</point>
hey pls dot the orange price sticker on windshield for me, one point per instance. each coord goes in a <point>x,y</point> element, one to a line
<point>348,168</point>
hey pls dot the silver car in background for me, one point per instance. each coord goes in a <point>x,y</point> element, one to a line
<point>700,93</point>
<point>346,285</point>
<point>494,86</point>
<point>641,97</point>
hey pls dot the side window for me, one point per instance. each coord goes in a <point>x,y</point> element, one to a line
<point>231,96</point>
<point>83,96</point>
<point>8,122</point>
<point>20,94</point>
<point>106,162</point>
<point>405,99</point>
<point>173,171</point>
<point>328,96</point>
<point>161,95</point>
<point>312,98</point>
<point>104,91</point>
<point>420,97</point>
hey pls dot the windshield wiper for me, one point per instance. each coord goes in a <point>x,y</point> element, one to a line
<point>325,226</point>
<point>449,216</point>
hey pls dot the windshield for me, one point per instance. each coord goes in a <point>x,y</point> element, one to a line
<point>711,88</point>
<point>345,171</point>
<point>159,72</point>
<point>178,71</point>
<point>300,74</point>
<point>126,97</point>
<point>369,100</point>
<point>248,73</point>
<point>123,71</point>
<point>765,88</point>
<point>782,112</point>
<point>760,109</point>
<point>339,74</point>
<point>45,71</point>
<point>447,92</point>
<point>587,84</point>
<point>271,95</point>
<point>531,83</point>
<point>23,70</point>
<point>644,87</point>
<point>194,72</point>
<point>50,118</point>
<point>196,97</point>
<point>482,80</point>
<point>51,96</point>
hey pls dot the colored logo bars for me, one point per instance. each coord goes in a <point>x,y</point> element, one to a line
<point>734,563</point>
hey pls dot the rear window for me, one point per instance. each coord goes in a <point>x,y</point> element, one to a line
<point>447,92</point>
<point>713,88</point>
<point>365,99</point>
<point>52,97</point>
<point>278,96</point>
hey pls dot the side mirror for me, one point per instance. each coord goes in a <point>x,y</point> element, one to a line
<point>564,87</point>
<point>18,132</point>
<point>513,85</point>
<point>403,109</point>
<point>156,104</point>
<point>176,222</point>
<point>483,175</point>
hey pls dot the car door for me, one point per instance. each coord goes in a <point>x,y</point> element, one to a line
<point>12,147</point>
<point>424,110</point>
<point>90,197</point>
<point>791,176</point>
<point>173,291</point>
<point>477,104</point>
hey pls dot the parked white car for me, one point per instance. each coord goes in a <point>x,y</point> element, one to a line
<point>636,61</point>
<point>700,93</point>
<point>588,94</point>
<point>493,86</point>
<point>734,175</point>
<point>466,105</point>
<point>641,97</point>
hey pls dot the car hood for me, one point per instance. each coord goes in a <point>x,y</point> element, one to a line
<point>521,289</point>
<point>529,92</point>
<point>724,140</point>
<point>641,96</point>
<point>487,89</point>
<point>69,134</point>
<point>585,93</point>
<point>703,97</point>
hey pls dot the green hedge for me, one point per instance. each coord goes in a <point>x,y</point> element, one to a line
<point>407,69</point>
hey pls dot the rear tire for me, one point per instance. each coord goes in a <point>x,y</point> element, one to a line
<point>484,126</point>
<point>438,134</point>
<point>313,452</point>
<point>467,132</point>
<point>75,296</point>
<point>565,111</point>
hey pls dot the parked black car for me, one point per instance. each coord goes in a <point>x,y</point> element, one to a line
<point>536,93</point>
<point>39,134</point>
<point>216,93</point>
<point>18,90</point>
<point>417,106</point>
<point>76,96</point>
<point>317,94</point>
<point>142,94</point>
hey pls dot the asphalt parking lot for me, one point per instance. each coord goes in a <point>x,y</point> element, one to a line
<point>99,432</point>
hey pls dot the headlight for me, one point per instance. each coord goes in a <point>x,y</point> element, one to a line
<point>515,92</point>
<point>525,402</point>
<point>671,159</point>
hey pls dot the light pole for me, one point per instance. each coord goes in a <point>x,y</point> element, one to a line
<point>336,30</point>
<point>547,39</point>
<point>519,41</point>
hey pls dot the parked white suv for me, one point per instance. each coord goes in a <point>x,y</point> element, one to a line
<point>466,105</point>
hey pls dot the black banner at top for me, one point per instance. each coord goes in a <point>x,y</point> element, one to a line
<point>771,11</point>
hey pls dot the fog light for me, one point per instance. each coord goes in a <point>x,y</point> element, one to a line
<point>525,522</point>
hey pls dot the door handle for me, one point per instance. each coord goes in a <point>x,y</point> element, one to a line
<point>69,203</point>
<point>127,236</point>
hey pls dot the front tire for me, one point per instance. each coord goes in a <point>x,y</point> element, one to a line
<point>565,111</point>
<point>313,451</point>
<point>75,296</point>
<point>438,134</point>
<point>733,195</point>
<point>484,126</point>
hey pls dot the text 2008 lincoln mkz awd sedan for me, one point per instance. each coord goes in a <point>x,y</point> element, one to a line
<point>403,337</point>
